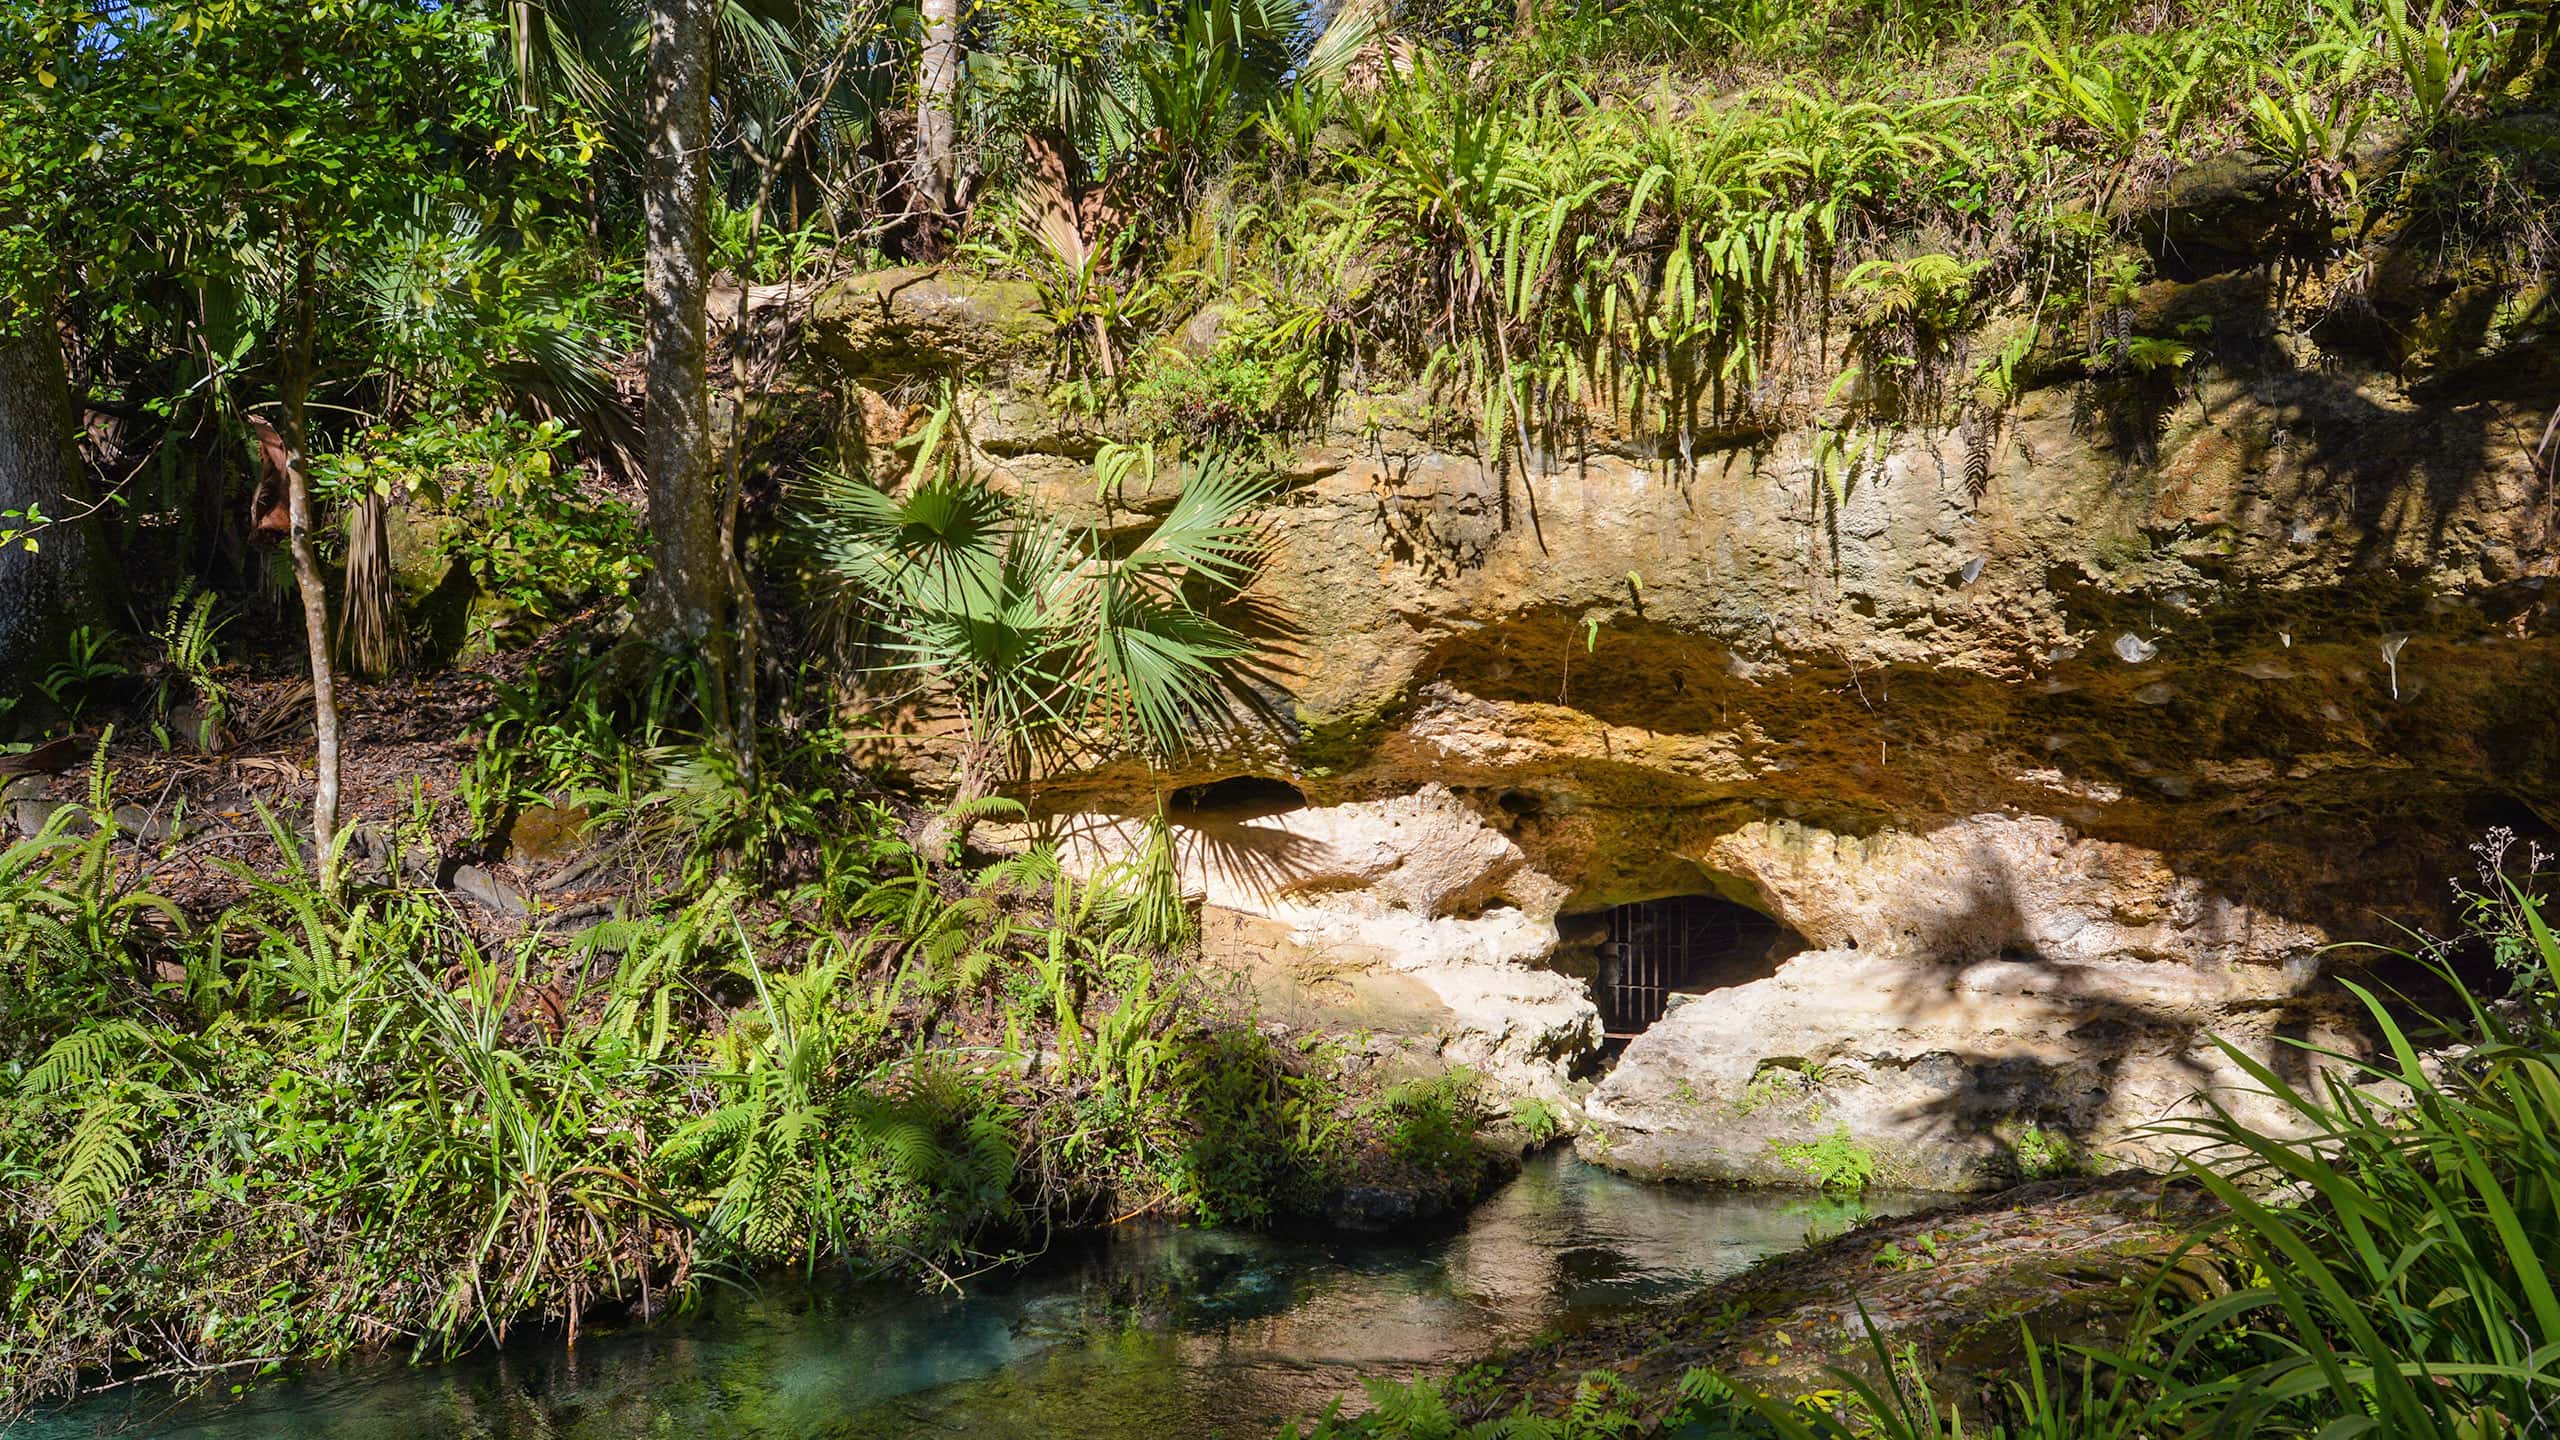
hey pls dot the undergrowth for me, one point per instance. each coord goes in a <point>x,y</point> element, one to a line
<point>1696,222</point>
<point>331,1118</point>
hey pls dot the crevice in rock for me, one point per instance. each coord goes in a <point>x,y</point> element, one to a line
<point>1240,797</point>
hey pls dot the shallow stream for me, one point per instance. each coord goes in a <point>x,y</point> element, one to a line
<point>1154,1335</point>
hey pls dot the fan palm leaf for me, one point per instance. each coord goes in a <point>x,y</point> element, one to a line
<point>1050,640</point>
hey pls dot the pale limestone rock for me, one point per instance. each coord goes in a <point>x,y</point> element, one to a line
<point>1937,1069</point>
<point>1519,693</point>
<point>1408,915</point>
<point>1995,973</point>
<point>1998,884</point>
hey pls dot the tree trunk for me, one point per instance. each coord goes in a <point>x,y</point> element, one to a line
<point>294,387</point>
<point>62,581</point>
<point>686,601</point>
<point>937,118</point>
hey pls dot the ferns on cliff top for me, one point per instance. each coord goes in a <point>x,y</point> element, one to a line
<point>1536,238</point>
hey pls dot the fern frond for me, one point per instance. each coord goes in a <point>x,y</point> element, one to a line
<point>83,1057</point>
<point>711,1135</point>
<point>98,1160</point>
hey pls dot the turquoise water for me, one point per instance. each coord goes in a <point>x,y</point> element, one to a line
<point>1155,1335</point>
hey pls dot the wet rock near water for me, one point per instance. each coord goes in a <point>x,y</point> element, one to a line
<point>1388,1194</point>
<point>1947,1289</point>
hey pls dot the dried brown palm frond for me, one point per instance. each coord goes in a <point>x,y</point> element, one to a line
<point>1046,206</point>
<point>371,637</point>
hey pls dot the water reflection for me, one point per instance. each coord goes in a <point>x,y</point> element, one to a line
<point>1156,1336</point>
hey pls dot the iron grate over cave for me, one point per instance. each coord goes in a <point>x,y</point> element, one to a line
<point>1657,948</point>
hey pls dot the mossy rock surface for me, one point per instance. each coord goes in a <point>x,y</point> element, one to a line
<point>2067,1260</point>
<point>886,326</point>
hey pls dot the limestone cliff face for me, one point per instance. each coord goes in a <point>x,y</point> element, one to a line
<point>2062,743</point>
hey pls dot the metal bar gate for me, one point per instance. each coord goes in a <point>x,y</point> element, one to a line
<point>1657,947</point>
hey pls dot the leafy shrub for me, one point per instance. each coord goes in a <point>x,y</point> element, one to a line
<point>1536,1120</point>
<point>1266,1136</point>
<point>533,535</point>
<point>1836,1162</point>
<point>2043,1154</point>
<point>451,1138</point>
<point>2504,914</point>
<point>1433,1124</point>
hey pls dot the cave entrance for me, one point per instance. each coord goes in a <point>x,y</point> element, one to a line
<point>1683,945</point>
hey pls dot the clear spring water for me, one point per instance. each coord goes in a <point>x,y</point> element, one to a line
<point>1154,1335</point>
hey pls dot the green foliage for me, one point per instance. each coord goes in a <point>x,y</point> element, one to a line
<point>1653,215</point>
<point>528,528</point>
<point>2504,912</point>
<point>1153,99</point>
<point>188,636</point>
<point>1157,916</point>
<point>2316,136</point>
<point>1603,1407</point>
<point>1924,1253</point>
<point>1266,375</point>
<point>2412,1256</point>
<point>1052,642</point>
<point>1432,1124</point>
<point>267,161</point>
<point>1267,1138</point>
<point>807,1154</point>
<point>72,922</point>
<point>2043,1154</point>
<point>401,1128</point>
<point>1910,316</point>
<point>1638,256</point>
<point>1778,1081</point>
<point>1536,1120</point>
<point>564,733</point>
<point>1836,1162</point>
<point>88,662</point>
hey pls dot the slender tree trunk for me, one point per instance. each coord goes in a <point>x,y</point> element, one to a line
<point>46,590</point>
<point>686,602</point>
<point>937,157</point>
<point>294,387</point>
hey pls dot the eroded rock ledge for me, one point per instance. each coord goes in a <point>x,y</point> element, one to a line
<point>2056,752</point>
